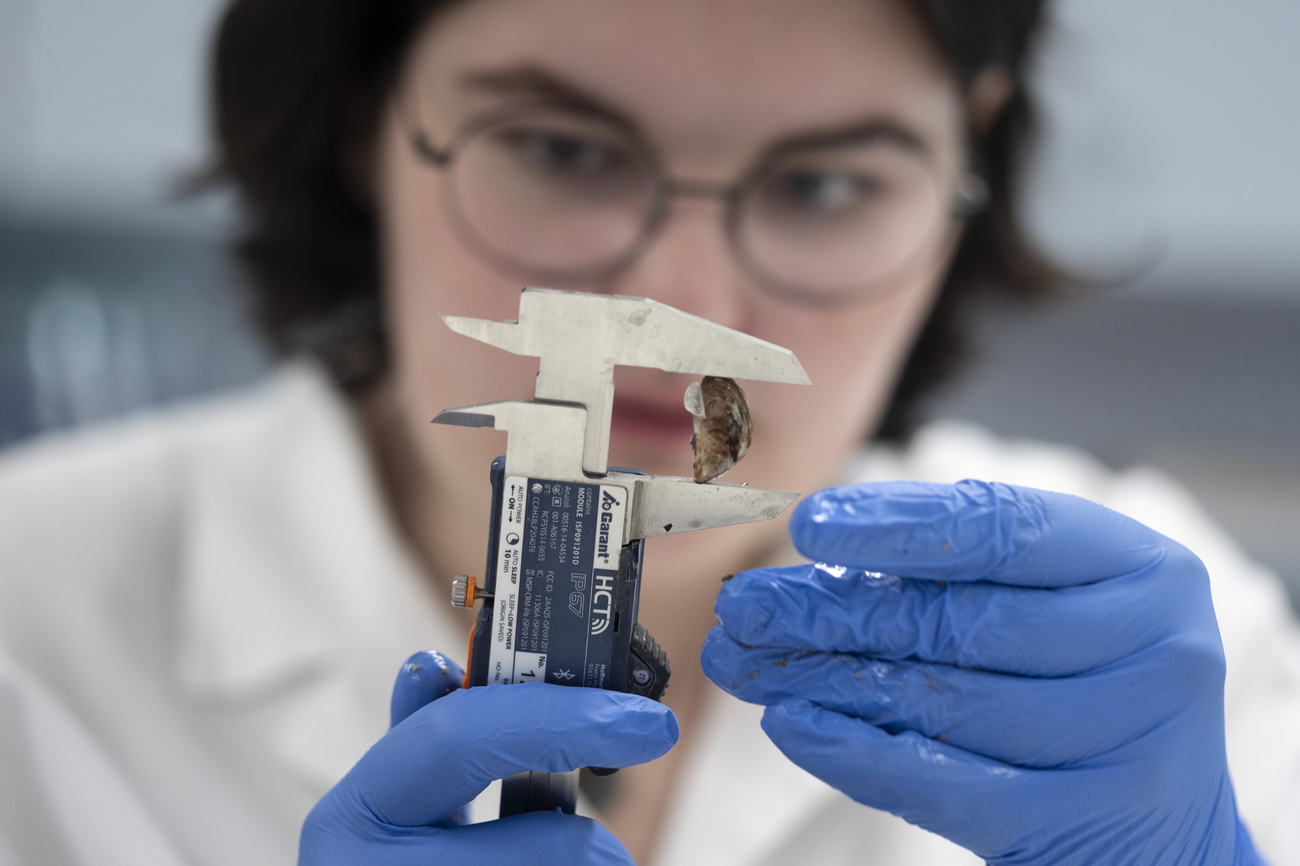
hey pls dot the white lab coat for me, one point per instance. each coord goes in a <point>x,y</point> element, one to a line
<point>202,612</point>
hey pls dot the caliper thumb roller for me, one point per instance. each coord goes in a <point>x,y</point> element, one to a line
<point>561,588</point>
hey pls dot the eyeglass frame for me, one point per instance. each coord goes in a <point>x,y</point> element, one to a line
<point>972,196</point>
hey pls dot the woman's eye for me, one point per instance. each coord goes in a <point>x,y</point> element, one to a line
<point>827,192</point>
<point>564,154</point>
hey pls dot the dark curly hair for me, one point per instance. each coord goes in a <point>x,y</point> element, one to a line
<point>299,89</point>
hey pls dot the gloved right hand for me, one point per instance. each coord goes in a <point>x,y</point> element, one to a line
<point>403,801</point>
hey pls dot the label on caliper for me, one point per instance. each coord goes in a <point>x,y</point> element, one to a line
<point>557,564</point>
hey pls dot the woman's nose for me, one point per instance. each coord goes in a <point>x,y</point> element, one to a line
<point>688,264</point>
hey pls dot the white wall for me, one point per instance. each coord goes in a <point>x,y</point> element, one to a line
<point>101,106</point>
<point>1174,138</point>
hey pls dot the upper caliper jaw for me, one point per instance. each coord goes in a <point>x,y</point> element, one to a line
<point>579,338</point>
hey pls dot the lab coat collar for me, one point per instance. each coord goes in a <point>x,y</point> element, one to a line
<point>295,593</point>
<point>245,623</point>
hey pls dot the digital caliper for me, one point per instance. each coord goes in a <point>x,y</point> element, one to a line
<point>563,578</point>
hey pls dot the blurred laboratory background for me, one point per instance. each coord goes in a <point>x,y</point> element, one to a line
<point>1170,167</point>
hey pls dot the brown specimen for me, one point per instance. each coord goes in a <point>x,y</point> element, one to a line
<point>723,426</point>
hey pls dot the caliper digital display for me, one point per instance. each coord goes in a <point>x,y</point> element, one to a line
<point>564,589</point>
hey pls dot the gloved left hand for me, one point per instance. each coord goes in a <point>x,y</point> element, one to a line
<point>1041,684</point>
<point>403,802</point>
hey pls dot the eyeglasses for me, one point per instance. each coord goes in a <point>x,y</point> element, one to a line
<point>558,196</point>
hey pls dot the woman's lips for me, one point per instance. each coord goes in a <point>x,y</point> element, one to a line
<point>647,419</point>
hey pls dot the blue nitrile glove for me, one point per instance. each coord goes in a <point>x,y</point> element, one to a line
<point>403,803</point>
<point>1043,685</point>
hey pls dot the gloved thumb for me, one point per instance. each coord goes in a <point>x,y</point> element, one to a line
<point>425,677</point>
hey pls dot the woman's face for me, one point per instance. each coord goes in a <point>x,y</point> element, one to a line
<point>710,86</point>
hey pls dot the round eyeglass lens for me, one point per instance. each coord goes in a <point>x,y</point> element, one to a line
<point>552,192</point>
<point>834,222</point>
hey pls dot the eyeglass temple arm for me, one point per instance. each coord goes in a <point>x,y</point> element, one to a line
<point>427,151</point>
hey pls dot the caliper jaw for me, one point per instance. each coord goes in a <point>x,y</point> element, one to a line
<point>543,441</point>
<point>664,503</point>
<point>580,337</point>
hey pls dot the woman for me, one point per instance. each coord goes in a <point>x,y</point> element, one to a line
<point>1044,684</point>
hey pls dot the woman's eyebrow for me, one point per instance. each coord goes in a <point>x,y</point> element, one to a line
<point>531,81</point>
<point>870,130</point>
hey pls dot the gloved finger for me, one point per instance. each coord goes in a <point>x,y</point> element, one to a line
<point>425,677</point>
<point>1025,721</point>
<point>942,788</point>
<point>441,757</point>
<point>972,530</point>
<point>978,625</point>
<point>536,838</point>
